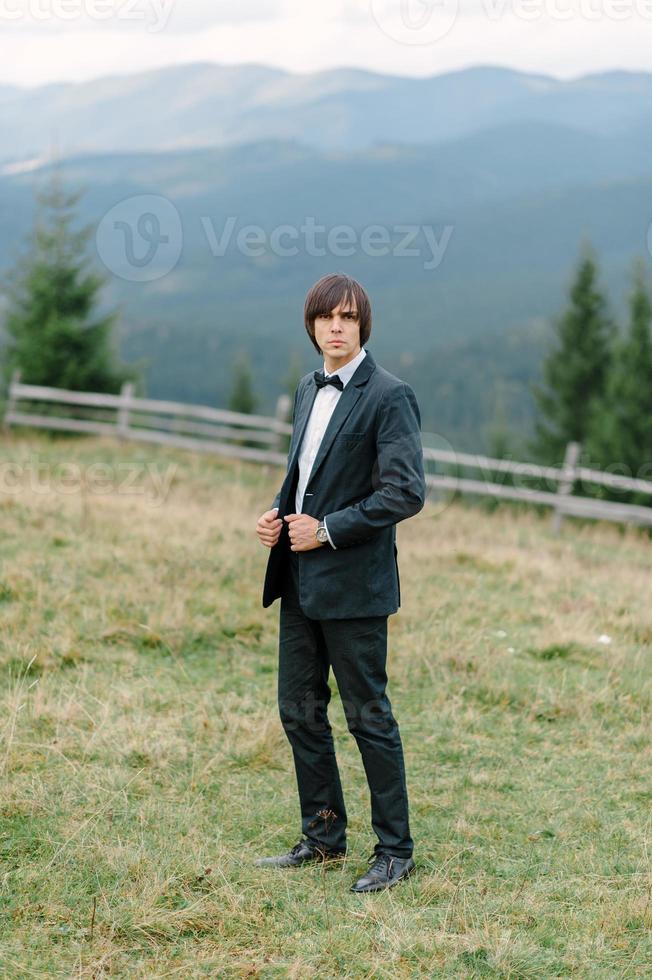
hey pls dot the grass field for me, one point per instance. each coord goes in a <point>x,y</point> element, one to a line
<point>143,765</point>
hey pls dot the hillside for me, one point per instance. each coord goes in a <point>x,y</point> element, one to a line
<point>144,766</point>
<point>506,211</point>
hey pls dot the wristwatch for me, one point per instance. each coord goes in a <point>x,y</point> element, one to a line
<point>321,533</point>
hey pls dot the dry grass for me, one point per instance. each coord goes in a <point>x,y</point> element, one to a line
<point>144,766</point>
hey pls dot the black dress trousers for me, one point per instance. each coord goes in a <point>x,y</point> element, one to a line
<point>356,649</point>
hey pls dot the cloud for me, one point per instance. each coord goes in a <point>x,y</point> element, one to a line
<point>191,15</point>
<point>40,17</point>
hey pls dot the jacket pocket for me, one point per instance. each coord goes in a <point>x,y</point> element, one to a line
<point>350,439</point>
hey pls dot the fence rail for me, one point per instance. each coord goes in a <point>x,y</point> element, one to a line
<point>206,429</point>
<point>196,427</point>
<point>564,479</point>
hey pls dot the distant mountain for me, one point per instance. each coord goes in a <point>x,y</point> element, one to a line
<point>214,105</point>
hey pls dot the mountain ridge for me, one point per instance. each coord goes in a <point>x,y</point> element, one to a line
<point>205,104</point>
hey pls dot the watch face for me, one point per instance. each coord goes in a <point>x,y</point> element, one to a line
<point>321,535</point>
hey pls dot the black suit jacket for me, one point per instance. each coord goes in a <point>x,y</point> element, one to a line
<point>367,476</point>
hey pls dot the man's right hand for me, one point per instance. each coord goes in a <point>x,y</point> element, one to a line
<point>268,528</point>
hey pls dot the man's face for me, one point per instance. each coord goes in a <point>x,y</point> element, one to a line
<point>338,333</point>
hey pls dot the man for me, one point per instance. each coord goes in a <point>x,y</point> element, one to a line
<point>355,469</point>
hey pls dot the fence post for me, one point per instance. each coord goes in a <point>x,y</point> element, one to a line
<point>566,481</point>
<point>126,393</point>
<point>11,400</point>
<point>282,414</point>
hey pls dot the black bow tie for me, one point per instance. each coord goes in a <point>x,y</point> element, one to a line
<point>334,379</point>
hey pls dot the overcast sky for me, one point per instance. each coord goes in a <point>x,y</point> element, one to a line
<point>74,40</point>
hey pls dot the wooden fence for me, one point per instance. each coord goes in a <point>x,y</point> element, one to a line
<point>563,480</point>
<point>196,427</point>
<point>206,429</point>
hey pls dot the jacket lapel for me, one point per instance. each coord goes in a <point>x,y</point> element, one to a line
<point>347,400</point>
<point>303,414</point>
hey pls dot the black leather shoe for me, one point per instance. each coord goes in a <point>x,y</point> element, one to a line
<point>301,853</point>
<point>386,870</point>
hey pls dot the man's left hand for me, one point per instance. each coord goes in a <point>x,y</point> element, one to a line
<point>301,528</point>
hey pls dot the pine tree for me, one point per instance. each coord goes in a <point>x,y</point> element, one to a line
<point>55,335</point>
<point>621,436</point>
<point>242,397</point>
<point>498,434</point>
<point>575,372</point>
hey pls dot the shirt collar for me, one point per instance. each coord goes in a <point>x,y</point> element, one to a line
<point>346,373</point>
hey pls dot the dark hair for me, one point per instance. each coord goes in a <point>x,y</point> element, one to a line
<point>328,293</point>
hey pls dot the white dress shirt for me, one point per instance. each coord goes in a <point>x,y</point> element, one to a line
<point>324,405</point>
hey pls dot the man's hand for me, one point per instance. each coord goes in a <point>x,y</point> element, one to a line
<point>268,528</point>
<point>301,528</point>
